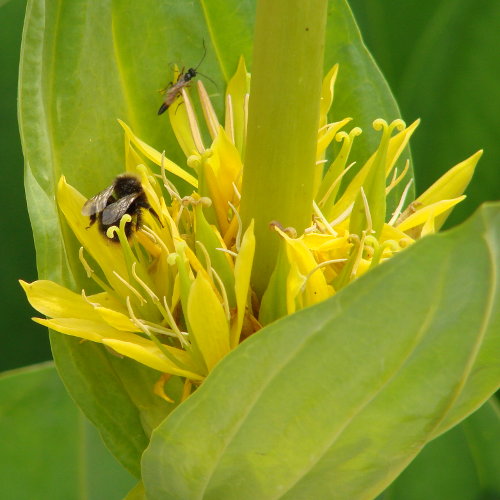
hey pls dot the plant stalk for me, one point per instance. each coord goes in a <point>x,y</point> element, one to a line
<point>283,122</point>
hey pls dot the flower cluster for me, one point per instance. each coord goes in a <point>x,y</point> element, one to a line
<point>176,295</point>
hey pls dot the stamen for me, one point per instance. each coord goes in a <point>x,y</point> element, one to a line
<point>358,256</point>
<point>319,266</point>
<point>193,123</point>
<point>155,238</point>
<point>230,252</point>
<point>236,192</point>
<point>401,203</point>
<point>169,186</point>
<point>229,118</point>
<point>142,300</point>
<point>162,331</point>
<point>86,299</point>
<point>240,226</point>
<point>148,290</point>
<point>396,180</point>
<point>343,216</point>
<point>207,258</point>
<point>335,183</point>
<point>208,111</point>
<point>320,215</point>
<point>368,214</point>
<point>171,321</point>
<point>91,274</point>
<point>144,328</point>
<point>222,288</point>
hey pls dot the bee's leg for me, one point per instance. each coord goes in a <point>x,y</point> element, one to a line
<point>93,218</point>
<point>154,214</point>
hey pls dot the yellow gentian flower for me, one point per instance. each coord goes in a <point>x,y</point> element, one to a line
<point>176,296</point>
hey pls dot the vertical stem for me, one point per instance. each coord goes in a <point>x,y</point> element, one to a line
<point>283,123</point>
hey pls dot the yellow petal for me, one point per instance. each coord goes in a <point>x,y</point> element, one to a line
<point>452,184</point>
<point>116,319</point>
<point>238,88</point>
<point>106,253</point>
<point>179,115</point>
<point>207,321</point>
<point>423,214</point>
<point>316,288</point>
<point>54,300</point>
<point>147,353</point>
<point>242,273</point>
<point>327,94</point>
<point>128,344</point>
<point>156,157</point>
<point>84,328</point>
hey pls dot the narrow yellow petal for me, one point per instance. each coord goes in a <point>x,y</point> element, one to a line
<point>84,328</point>
<point>238,87</point>
<point>242,273</point>
<point>54,300</point>
<point>316,288</point>
<point>452,184</point>
<point>423,214</point>
<point>327,94</point>
<point>207,321</point>
<point>116,319</point>
<point>156,157</point>
<point>147,353</point>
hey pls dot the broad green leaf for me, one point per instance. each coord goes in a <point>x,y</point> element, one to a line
<point>49,450</point>
<point>336,400</point>
<point>447,80</point>
<point>462,464</point>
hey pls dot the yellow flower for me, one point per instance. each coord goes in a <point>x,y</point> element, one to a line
<point>176,295</point>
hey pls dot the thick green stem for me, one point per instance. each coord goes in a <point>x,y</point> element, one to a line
<point>283,123</point>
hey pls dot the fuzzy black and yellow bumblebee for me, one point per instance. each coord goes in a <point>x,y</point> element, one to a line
<point>124,196</point>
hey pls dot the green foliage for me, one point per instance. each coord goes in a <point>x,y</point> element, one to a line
<point>461,464</point>
<point>49,450</point>
<point>334,401</point>
<point>439,57</point>
<point>85,64</point>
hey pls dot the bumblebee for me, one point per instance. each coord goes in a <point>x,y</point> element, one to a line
<point>124,196</point>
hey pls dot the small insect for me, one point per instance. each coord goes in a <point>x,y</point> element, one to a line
<point>174,90</point>
<point>124,196</point>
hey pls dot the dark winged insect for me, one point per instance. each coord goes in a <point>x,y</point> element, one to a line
<point>183,80</point>
<point>124,196</point>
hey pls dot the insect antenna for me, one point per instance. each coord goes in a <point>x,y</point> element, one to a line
<point>208,78</point>
<point>204,54</point>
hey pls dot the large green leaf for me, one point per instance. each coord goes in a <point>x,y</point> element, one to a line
<point>49,450</point>
<point>439,57</point>
<point>83,65</point>
<point>334,401</point>
<point>462,464</point>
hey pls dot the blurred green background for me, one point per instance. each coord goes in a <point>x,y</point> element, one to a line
<point>440,58</point>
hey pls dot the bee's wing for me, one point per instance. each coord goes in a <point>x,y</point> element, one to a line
<point>98,202</point>
<point>115,211</point>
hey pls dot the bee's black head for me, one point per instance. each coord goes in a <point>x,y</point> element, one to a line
<point>127,184</point>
